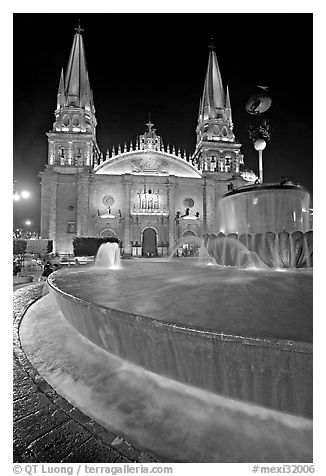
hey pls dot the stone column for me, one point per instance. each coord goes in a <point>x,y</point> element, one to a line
<point>204,210</point>
<point>49,207</point>
<point>171,189</point>
<point>126,183</point>
<point>82,203</point>
<point>210,207</point>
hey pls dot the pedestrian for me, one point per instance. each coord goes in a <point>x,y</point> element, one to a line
<point>46,272</point>
<point>17,268</point>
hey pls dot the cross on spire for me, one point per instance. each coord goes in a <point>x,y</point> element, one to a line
<point>79,29</point>
<point>211,46</point>
<point>149,124</point>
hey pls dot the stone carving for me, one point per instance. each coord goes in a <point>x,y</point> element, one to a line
<point>149,165</point>
<point>108,201</point>
<point>188,202</point>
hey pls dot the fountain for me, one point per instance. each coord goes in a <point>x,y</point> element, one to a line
<point>108,255</point>
<point>263,225</point>
<point>204,326</point>
<point>238,329</point>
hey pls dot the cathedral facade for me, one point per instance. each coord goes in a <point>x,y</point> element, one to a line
<point>146,194</point>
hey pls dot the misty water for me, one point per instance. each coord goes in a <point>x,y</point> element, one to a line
<point>175,421</point>
<point>247,302</point>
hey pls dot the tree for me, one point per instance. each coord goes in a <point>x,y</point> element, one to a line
<point>19,248</point>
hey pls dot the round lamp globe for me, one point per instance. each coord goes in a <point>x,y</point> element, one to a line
<point>260,144</point>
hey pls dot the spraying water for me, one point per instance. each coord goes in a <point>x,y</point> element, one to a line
<point>108,256</point>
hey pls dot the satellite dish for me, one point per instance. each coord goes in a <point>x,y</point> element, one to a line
<point>258,103</point>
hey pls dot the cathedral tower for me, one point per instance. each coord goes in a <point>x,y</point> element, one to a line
<point>72,154</point>
<point>72,142</point>
<point>216,147</point>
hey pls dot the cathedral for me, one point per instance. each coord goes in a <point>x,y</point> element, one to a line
<point>146,194</point>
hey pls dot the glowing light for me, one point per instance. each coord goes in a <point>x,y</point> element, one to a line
<point>28,222</point>
<point>16,196</point>
<point>25,194</point>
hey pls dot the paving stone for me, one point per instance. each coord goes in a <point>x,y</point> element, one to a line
<point>106,435</point>
<point>37,424</point>
<point>126,449</point>
<point>62,403</point>
<point>25,386</point>
<point>30,404</point>
<point>59,442</point>
<point>47,428</point>
<point>23,456</point>
<point>93,451</point>
<point>79,416</point>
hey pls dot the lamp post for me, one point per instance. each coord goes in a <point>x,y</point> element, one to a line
<point>17,195</point>
<point>260,131</point>
<point>260,145</point>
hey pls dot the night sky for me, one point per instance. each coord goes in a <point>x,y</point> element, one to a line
<point>141,63</point>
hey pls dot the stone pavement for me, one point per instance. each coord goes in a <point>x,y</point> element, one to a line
<point>47,428</point>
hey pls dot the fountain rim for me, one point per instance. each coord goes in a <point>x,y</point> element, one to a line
<point>283,344</point>
<point>265,186</point>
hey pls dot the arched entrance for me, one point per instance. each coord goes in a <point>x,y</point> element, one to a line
<point>190,244</point>
<point>108,233</point>
<point>149,242</point>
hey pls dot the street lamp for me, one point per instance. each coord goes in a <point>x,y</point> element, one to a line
<point>18,195</point>
<point>25,194</point>
<point>260,132</point>
<point>260,145</point>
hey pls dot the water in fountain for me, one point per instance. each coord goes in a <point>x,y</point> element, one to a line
<point>108,256</point>
<point>187,246</point>
<point>228,251</point>
<point>205,326</point>
<point>261,250</point>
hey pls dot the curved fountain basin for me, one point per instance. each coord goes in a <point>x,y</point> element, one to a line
<point>264,208</point>
<point>265,364</point>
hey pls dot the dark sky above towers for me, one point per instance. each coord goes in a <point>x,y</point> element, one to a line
<point>141,63</point>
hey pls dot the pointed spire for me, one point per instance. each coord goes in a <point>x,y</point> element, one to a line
<point>113,152</point>
<point>173,150</point>
<point>227,99</point>
<point>61,92</point>
<point>228,105</point>
<point>131,148</point>
<point>179,152</point>
<point>168,148</point>
<point>76,81</point>
<point>213,94</point>
<point>125,147</point>
<point>107,154</point>
<point>119,149</point>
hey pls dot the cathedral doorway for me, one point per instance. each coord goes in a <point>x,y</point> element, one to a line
<point>190,244</point>
<point>108,233</point>
<point>149,242</point>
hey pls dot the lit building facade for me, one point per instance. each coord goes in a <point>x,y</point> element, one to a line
<point>146,194</point>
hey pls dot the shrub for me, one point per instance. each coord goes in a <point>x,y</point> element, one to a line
<point>19,247</point>
<point>40,247</point>
<point>88,246</point>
